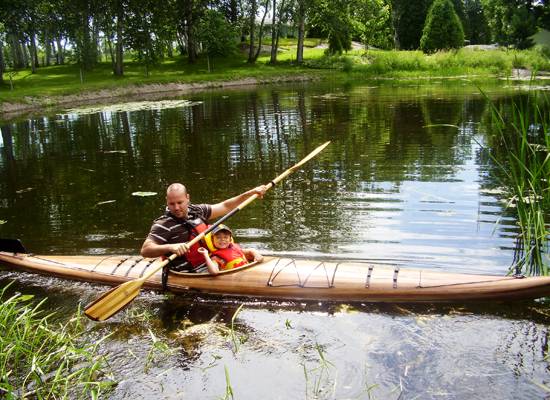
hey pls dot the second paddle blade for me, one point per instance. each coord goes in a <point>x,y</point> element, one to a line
<point>113,301</point>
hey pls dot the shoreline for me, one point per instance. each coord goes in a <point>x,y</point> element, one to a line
<point>10,110</point>
<point>154,91</point>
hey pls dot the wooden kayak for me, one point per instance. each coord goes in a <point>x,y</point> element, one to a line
<point>293,279</point>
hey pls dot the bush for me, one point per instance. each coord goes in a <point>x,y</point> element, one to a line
<point>443,29</point>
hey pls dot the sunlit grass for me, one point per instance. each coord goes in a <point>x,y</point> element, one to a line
<point>361,64</point>
<point>42,359</point>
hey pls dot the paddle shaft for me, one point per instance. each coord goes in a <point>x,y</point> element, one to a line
<point>241,205</point>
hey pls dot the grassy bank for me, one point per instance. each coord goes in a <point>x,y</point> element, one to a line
<point>42,359</point>
<point>357,64</point>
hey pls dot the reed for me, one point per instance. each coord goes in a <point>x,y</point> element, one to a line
<point>236,339</point>
<point>322,378</point>
<point>43,359</point>
<point>523,139</point>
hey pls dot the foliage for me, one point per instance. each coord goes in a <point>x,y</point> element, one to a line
<point>476,28</point>
<point>524,142</point>
<point>372,22</point>
<point>217,36</point>
<point>443,29</point>
<point>408,20</point>
<point>333,19</point>
<point>40,359</point>
<point>512,22</point>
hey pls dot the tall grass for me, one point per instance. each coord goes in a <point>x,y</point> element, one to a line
<point>523,132</point>
<point>444,63</point>
<point>44,360</point>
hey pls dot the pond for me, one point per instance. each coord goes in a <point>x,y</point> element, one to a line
<point>406,179</point>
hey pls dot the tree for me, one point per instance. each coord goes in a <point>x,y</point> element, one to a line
<point>2,63</point>
<point>216,35</point>
<point>300,15</point>
<point>372,21</point>
<point>408,19</point>
<point>443,29</point>
<point>476,29</point>
<point>279,15</point>
<point>332,17</point>
<point>512,22</point>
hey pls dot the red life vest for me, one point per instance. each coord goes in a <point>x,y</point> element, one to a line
<point>231,257</point>
<point>197,226</point>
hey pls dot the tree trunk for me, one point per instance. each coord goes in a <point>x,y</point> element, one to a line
<point>119,63</point>
<point>25,54</point>
<point>47,49</point>
<point>274,34</point>
<point>301,31</point>
<point>191,45</point>
<point>252,26</point>
<point>34,53</point>
<point>2,65</point>
<point>60,52</point>
<point>261,31</point>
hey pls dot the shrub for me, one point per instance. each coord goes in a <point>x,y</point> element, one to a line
<point>443,29</point>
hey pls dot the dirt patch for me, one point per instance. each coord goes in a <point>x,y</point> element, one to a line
<point>149,91</point>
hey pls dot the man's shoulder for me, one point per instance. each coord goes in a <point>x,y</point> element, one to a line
<point>202,211</point>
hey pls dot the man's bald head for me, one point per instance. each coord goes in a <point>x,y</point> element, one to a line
<point>176,188</point>
<point>177,200</point>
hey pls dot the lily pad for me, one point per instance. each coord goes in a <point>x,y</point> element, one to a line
<point>2,221</point>
<point>144,194</point>
<point>105,202</point>
<point>24,190</point>
<point>134,106</point>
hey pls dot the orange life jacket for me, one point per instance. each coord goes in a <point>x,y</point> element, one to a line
<point>197,226</point>
<point>231,257</point>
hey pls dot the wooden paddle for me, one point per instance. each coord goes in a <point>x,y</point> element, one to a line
<point>119,297</point>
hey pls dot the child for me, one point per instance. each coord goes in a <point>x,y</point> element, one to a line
<point>225,253</point>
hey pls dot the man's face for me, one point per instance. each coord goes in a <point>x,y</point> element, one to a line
<point>222,239</point>
<point>177,203</point>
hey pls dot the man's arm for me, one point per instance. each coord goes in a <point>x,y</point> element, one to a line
<point>151,249</point>
<point>220,209</point>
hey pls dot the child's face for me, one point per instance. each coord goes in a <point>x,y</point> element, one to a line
<point>222,239</point>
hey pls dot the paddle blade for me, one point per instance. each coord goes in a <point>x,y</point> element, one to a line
<point>12,246</point>
<point>113,301</point>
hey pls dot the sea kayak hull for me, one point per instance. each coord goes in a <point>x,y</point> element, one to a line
<point>293,279</point>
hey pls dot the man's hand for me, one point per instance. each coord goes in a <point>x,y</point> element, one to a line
<point>260,191</point>
<point>180,249</point>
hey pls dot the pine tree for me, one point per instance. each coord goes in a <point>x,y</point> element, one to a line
<point>443,29</point>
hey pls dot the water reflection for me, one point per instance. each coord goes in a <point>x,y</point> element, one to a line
<point>404,177</point>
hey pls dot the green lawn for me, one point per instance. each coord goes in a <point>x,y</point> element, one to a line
<point>356,64</point>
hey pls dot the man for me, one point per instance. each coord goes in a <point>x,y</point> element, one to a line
<point>182,221</point>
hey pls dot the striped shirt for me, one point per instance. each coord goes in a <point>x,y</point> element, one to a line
<point>169,229</point>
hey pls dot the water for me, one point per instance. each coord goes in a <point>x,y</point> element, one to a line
<point>405,179</point>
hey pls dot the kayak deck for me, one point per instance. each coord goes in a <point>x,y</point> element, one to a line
<point>294,279</point>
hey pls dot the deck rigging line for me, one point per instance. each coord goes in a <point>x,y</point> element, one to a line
<point>275,273</point>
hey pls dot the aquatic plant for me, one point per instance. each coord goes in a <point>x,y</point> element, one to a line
<point>322,377</point>
<point>228,387</point>
<point>158,347</point>
<point>43,359</point>
<point>236,339</point>
<point>523,139</point>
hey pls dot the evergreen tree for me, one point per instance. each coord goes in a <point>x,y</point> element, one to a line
<point>408,20</point>
<point>443,29</point>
